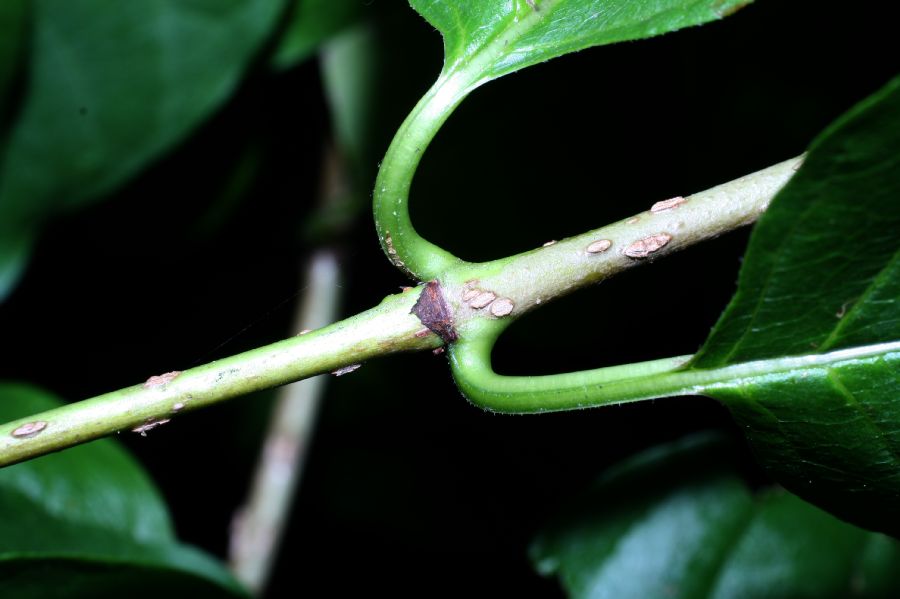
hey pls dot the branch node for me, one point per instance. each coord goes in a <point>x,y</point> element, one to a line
<point>432,310</point>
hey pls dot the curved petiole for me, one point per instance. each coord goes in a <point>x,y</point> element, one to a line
<point>470,362</point>
<point>406,249</point>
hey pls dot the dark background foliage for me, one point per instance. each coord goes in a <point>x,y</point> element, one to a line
<point>406,481</point>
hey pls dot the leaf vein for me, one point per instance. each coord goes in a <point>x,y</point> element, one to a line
<point>880,434</point>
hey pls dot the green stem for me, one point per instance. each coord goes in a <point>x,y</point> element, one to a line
<point>387,328</point>
<point>405,248</point>
<point>531,279</point>
<point>470,363</point>
<point>524,282</point>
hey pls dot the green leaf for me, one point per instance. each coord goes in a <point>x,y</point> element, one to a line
<point>111,86</point>
<point>497,37</point>
<point>312,22</point>
<point>89,523</point>
<point>676,522</point>
<point>822,274</point>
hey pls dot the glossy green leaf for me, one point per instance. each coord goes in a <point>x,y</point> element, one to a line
<point>496,37</point>
<point>676,522</point>
<point>312,22</point>
<point>111,86</point>
<point>88,522</point>
<point>822,274</point>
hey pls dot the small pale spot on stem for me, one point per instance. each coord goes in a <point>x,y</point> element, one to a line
<point>549,243</point>
<point>502,307</point>
<point>389,243</point>
<point>632,220</point>
<point>470,294</point>
<point>162,379</point>
<point>178,406</point>
<point>304,332</point>
<point>601,245</point>
<point>483,299</point>
<point>143,429</point>
<point>422,333</point>
<point>648,245</point>
<point>346,370</point>
<point>29,429</point>
<point>667,204</point>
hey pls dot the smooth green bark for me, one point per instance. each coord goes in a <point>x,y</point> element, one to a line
<point>387,328</point>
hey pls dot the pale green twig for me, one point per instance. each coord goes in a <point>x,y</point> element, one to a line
<point>385,329</point>
<point>388,328</point>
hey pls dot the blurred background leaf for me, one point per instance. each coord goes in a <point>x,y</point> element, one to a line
<point>89,523</point>
<point>350,65</point>
<point>677,522</point>
<point>312,22</point>
<point>109,87</point>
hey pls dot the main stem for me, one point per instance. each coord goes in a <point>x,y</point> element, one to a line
<point>526,281</point>
<point>385,329</point>
<point>533,278</point>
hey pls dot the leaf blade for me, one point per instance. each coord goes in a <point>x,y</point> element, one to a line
<point>822,273</point>
<point>677,522</point>
<point>533,31</point>
<point>112,87</point>
<point>843,195</point>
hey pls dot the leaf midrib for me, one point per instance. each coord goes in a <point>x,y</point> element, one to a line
<point>726,377</point>
<point>489,50</point>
